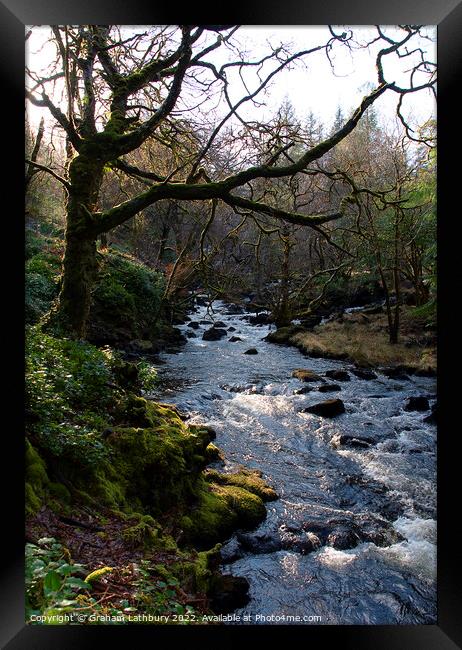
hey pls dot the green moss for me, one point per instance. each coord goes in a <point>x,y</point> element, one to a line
<point>37,480</point>
<point>127,295</point>
<point>220,510</point>
<point>144,532</point>
<point>283,334</point>
<point>249,480</point>
<point>213,453</point>
<point>199,574</point>
<point>249,507</point>
<point>60,492</point>
<point>33,500</point>
<point>212,520</point>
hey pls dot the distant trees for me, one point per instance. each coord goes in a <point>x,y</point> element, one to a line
<point>125,88</point>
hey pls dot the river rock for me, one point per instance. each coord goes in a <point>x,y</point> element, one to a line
<point>306,375</point>
<point>234,339</point>
<point>231,329</point>
<point>419,403</point>
<point>260,543</point>
<point>338,375</point>
<point>231,551</point>
<point>283,334</point>
<point>328,409</point>
<point>329,388</point>
<point>229,593</point>
<point>364,373</point>
<point>303,390</point>
<point>431,419</point>
<point>299,541</point>
<point>251,351</point>
<point>194,325</point>
<point>191,335</point>
<point>219,323</point>
<point>214,334</point>
<point>260,319</point>
<point>341,439</point>
<point>343,537</point>
<point>395,373</point>
<point>206,322</point>
<point>234,310</point>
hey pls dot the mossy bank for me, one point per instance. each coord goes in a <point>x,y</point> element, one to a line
<point>117,480</point>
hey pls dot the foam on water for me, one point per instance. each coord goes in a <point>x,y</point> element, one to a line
<point>249,401</point>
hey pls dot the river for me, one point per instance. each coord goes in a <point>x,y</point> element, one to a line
<point>357,523</point>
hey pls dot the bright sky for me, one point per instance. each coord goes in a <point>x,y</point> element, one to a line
<point>313,86</point>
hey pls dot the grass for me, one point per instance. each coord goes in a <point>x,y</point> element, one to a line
<point>364,340</point>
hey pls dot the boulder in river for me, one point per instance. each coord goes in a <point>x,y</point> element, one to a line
<point>283,334</point>
<point>306,375</point>
<point>431,419</point>
<point>231,551</point>
<point>330,408</point>
<point>364,373</point>
<point>329,388</point>
<point>234,310</point>
<point>193,324</point>
<point>419,403</point>
<point>213,334</point>
<point>231,329</point>
<point>394,373</point>
<point>303,390</point>
<point>298,541</point>
<point>251,351</point>
<point>260,319</point>
<point>229,593</point>
<point>234,339</point>
<point>191,335</point>
<point>343,537</point>
<point>341,439</point>
<point>219,323</point>
<point>259,542</point>
<point>338,375</point>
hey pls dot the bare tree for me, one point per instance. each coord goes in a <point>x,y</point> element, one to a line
<point>123,89</point>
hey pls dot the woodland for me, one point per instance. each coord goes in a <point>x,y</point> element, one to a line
<point>161,180</point>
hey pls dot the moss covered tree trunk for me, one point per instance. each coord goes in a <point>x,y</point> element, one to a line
<point>80,263</point>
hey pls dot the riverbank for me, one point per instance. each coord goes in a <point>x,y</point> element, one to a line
<point>362,338</point>
<point>123,517</point>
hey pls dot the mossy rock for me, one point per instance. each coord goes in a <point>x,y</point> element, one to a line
<point>306,375</point>
<point>145,531</point>
<point>37,480</point>
<point>210,521</point>
<point>156,462</point>
<point>283,334</point>
<point>213,453</point>
<point>247,479</point>
<point>221,509</point>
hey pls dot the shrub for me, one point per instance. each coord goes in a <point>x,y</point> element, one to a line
<point>67,395</point>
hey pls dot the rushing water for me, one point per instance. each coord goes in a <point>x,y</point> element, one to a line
<point>385,493</point>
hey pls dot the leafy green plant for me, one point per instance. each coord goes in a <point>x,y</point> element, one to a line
<point>67,395</point>
<point>147,375</point>
<point>53,582</point>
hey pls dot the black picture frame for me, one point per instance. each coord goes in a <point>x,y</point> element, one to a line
<point>14,15</point>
